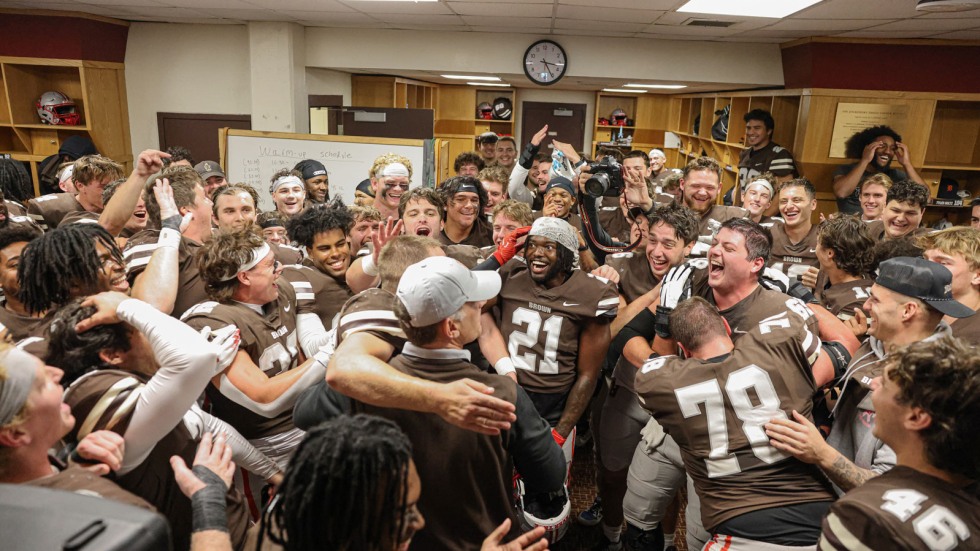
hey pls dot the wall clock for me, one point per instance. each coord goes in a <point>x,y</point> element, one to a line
<point>545,62</point>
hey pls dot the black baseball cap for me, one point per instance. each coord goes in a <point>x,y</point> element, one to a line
<point>922,279</point>
<point>488,137</point>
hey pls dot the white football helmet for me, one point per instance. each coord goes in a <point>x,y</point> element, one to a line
<point>56,108</point>
<point>551,511</point>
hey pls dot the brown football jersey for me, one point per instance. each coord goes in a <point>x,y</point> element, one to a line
<point>481,235</point>
<point>716,411</point>
<point>616,224</point>
<point>904,509</point>
<point>317,292</point>
<point>967,329</point>
<point>542,326</point>
<point>106,400</point>
<point>371,311</point>
<point>17,326</point>
<point>876,228</point>
<point>80,480</point>
<point>48,210</point>
<point>843,298</point>
<point>269,340</point>
<point>287,255</point>
<point>190,286</point>
<point>471,470</point>
<point>770,158</point>
<point>635,277</point>
<point>793,259</point>
<point>711,222</point>
<point>14,208</point>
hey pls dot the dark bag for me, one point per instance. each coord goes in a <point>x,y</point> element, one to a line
<point>719,130</point>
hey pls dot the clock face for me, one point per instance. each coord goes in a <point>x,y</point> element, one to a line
<point>545,62</point>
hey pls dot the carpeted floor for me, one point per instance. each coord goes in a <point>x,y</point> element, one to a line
<point>583,492</point>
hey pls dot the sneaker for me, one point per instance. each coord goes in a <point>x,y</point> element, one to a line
<point>644,540</point>
<point>592,515</point>
<point>606,545</point>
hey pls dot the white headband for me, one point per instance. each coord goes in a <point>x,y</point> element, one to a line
<point>258,254</point>
<point>394,169</point>
<point>67,173</point>
<point>16,387</point>
<point>290,179</point>
<point>762,182</point>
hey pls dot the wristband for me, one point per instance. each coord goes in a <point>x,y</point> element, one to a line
<point>559,439</point>
<point>504,366</point>
<point>169,237</point>
<point>663,322</point>
<point>171,222</point>
<point>208,503</point>
<point>368,266</point>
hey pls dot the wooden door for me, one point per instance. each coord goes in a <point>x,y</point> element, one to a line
<point>566,122</point>
<point>197,132</point>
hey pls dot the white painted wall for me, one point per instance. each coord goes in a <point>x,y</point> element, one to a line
<point>324,82</point>
<point>190,68</point>
<point>626,58</point>
<point>184,69</point>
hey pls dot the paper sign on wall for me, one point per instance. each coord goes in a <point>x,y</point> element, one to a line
<point>855,117</point>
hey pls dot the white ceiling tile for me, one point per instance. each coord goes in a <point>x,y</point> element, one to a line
<point>580,25</point>
<point>103,3</point>
<point>859,9</point>
<point>596,32</point>
<point>249,15</point>
<point>821,26</point>
<point>502,22</point>
<point>752,38</point>
<point>415,19</point>
<point>417,8</point>
<point>512,10</point>
<point>934,25</point>
<point>294,5</point>
<point>228,6</point>
<point>333,19</point>
<point>949,14</point>
<point>769,33</point>
<point>659,5</point>
<point>608,14</point>
<point>546,29</point>
<point>696,32</point>
<point>973,34</point>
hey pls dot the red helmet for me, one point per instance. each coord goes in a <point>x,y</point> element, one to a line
<point>484,111</point>
<point>618,117</point>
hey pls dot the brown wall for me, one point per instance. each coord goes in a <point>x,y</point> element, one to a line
<point>62,37</point>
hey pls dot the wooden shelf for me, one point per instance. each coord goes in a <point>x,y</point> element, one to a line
<point>943,134</point>
<point>98,90</point>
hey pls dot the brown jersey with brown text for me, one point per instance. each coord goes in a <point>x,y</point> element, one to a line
<point>635,277</point>
<point>48,210</point>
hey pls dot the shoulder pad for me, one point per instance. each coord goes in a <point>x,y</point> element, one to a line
<point>200,308</point>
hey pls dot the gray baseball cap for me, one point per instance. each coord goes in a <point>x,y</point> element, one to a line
<point>437,287</point>
<point>922,279</point>
<point>208,169</point>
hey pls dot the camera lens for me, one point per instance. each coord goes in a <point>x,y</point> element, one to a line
<point>597,184</point>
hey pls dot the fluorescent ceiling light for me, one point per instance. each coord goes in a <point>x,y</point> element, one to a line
<point>747,8</point>
<point>626,90</point>
<point>465,77</point>
<point>488,84</point>
<point>661,86</point>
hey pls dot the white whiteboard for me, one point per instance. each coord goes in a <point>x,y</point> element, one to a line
<point>253,157</point>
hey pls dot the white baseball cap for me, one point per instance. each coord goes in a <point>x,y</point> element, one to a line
<point>437,287</point>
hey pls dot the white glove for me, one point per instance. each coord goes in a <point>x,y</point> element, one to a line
<point>700,249</point>
<point>672,288</point>
<point>227,340</point>
<point>775,280</point>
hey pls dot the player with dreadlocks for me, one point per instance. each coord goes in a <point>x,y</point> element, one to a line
<point>71,261</point>
<point>351,484</point>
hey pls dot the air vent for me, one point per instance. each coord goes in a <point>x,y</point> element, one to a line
<point>708,23</point>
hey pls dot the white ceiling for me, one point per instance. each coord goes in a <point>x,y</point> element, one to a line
<point>654,19</point>
<point>618,18</point>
